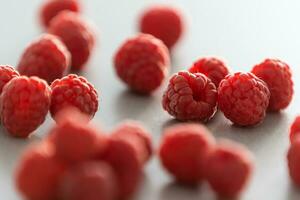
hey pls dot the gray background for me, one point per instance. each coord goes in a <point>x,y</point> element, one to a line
<point>242,32</point>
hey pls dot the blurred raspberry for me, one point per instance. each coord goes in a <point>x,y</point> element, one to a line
<point>243,98</point>
<point>24,104</point>
<point>278,77</point>
<point>77,35</point>
<point>47,57</point>
<point>295,129</point>
<point>213,68</point>
<point>190,97</point>
<point>163,22</point>
<point>7,73</point>
<point>142,63</point>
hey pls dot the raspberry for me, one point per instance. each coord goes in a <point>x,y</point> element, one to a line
<point>7,73</point>
<point>278,77</point>
<point>89,181</point>
<point>142,63</point>
<point>229,168</point>
<point>213,68</point>
<point>24,104</point>
<point>183,151</point>
<point>73,90</point>
<point>38,173</point>
<point>293,158</point>
<point>190,97</point>
<point>51,8</point>
<point>295,129</point>
<point>47,57</point>
<point>77,35</point>
<point>243,98</point>
<point>163,22</point>
<point>135,130</point>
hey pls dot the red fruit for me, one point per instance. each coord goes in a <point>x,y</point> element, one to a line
<point>47,57</point>
<point>278,77</point>
<point>134,130</point>
<point>38,173</point>
<point>295,129</point>
<point>229,168</point>
<point>293,158</point>
<point>51,8</point>
<point>243,98</point>
<point>24,104</point>
<point>126,156</point>
<point>183,151</point>
<point>7,73</point>
<point>163,22</point>
<point>77,35</point>
<point>89,181</point>
<point>142,63</point>
<point>213,68</point>
<point>73,91</point>
<point>190,97</point>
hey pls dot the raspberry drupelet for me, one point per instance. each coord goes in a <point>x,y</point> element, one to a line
<point>229,168</point>
<point>293,160</point>
<point>7,73</point>
<point>278,77</point>
<point>77,34</point>
<point>183,151</point>
<point>76,91</point>
<point>46,57</point>
<point>190,97</point>
<point>213,68</point>
<point>163,22</point>
<point>142,62</point>
<point>295,129</point>
<point>243,98</point>
<point>24,104</point>
<point>51,8</point>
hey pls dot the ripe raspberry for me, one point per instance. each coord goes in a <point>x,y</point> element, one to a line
<point>38,173</point>
<point>293,158</point>
<point>135,130</point>
<point>51,8</point>
<point>24,104</point>
<point>278,77</point>
<point>213,68</point>
<point>73,90</point>
<point>295,129</point>
<point>89,181</point>
<point>243,98</point>
<point>7,73</point>
<point>142,63</point>
<point>47,57</point>
<point>77,35</point>
<point>163,22</point>
<point>183,151</point>
<point>229,168</point>
<point>126,156</point>
<point>190,97</point>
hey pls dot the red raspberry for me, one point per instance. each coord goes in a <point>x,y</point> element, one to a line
<point>243,98</point>
<point>77,35</point>
<point>142,63</point>
<point>38,173</point>
<point>213,68</point>
<point>295,129</point>
<point>190,97</point>
<point>163,22</point>
<point>89,181</point>
<point>278,77</point>
<point>51,8</point>
<point>7,73</point>
<point>183,151</point>
<point>73,90</point>
<point>134,130</point>
<point>229,168</point>
<point>24,104</point>
<point>47,57</point>
<point>293,158</point>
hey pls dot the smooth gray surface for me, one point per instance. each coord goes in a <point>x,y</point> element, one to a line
<point>242,32</point>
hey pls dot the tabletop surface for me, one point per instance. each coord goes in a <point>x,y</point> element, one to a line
<point>241,32</point>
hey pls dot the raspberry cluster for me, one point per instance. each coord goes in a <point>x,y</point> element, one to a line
<point>90,166</point>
